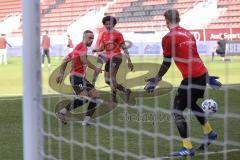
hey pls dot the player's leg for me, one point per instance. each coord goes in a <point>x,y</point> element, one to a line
<point>93,103</point>
<point>48,57</point>
<point>100,62</point>
<point>1,56</point>
<point>5,56</point>
<point>43,56</point>
<point>107,78</point>
<point>198,112</point>
<point>179,105</point>
<point>221,53</point>
<point>209,133</point>
<point>213,54</point>
<point>114,67</point>
<point>78,101</point>
<point>197,93</point>
<point>78,87</point>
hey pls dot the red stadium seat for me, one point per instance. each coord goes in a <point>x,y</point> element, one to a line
<point>134,15</point>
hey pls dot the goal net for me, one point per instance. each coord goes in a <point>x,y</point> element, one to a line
<point>144,129</point>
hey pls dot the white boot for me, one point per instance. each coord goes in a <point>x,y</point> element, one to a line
<point>87,121</point>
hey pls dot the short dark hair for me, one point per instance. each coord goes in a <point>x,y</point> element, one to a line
<point>109,18</point>
<point>172,15</point>
<point>222,36</point>
<point>87,31</point>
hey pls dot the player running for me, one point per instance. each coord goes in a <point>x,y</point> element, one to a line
<point>110,42</point>
<point>180,45</point>
<point>80,84</point>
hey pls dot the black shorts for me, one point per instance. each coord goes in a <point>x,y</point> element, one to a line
<point>114,62</point>
<point>79,84</point>
<point>189,91</point>
<point>46,51</point>
<point>220,52</point>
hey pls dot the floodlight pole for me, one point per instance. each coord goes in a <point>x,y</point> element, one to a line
<point>32,79</point>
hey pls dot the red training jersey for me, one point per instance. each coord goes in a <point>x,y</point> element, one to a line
<point>98,42</point>
<point>78,67</point>
<point>45,42</point>
<point>112,41</point>
<point>3,43</point>
<point>180,44</point>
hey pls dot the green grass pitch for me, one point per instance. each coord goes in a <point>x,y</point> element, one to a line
<point>129,142</point>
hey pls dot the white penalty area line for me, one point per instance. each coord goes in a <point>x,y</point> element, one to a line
<point>199,154</point>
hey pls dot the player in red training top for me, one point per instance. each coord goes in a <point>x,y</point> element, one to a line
<point>111,42</point>
<point>3,49</point>
<point>80,84</point>
<point>46,48</point>
<point>180,45</point>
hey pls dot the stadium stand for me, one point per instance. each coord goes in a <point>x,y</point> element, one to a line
<point>145,15</point>
<point>133,15</point>
<point>13,7</point>
<point>9,7</point>
<point>230,18</point>
<point>66,13</point>
<point>60,15</point>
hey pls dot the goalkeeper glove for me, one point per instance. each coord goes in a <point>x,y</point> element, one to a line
<point>151,84</point>
<point>213,82</point>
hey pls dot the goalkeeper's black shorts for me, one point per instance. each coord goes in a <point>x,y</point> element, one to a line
<point>80,83</point>
<point>189,91</point>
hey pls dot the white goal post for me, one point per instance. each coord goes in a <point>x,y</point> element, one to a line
<point>32,79</point>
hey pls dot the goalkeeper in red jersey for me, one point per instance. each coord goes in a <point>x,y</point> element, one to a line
<point>180,45</point>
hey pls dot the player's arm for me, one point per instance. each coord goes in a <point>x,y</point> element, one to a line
<point>126,52</point>
<point>89,64</point>
<point>9,44</point>
<point>63,67</point>
<point>167,59</point>
<point>164,67</point>
<point>99,44</point>
<point>100,61</point>
<point>152,82</point>
<point>100,49</point>
<point>42,41</point>
<point>162,70</point>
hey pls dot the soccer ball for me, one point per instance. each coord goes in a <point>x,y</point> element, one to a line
<point>209,106</point>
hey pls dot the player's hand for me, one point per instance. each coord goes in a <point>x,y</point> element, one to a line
<point>130,65</point>
<point>213,82</point>
<point>151,84</point>
<point>101,58</point>
<point>97,50</point>
<point>153,79</point>
<point>59,78</point>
